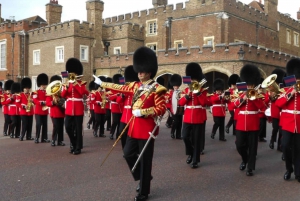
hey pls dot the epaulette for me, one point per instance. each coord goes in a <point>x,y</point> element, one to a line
<point>83,82</point>
<point>160,89</point>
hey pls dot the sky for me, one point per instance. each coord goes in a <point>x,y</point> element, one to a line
<point>22,9</point>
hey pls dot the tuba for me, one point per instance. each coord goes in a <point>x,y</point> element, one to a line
<point>196,86</point>
<point>272,86</point>
<point>54,90</point>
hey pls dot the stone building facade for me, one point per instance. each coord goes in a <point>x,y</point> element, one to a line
<point>208,32</point>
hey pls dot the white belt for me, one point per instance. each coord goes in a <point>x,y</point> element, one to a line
<point>219,105</point>
<point>291,111</point>
<point>12,105</point>
<point>127,106</point>
<point>192,107</point>
<point>74,99</point>
<point>113,102</point>
<point>248,112</point>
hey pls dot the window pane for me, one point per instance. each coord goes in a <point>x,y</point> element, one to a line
<point>3,55</point>
<point>82,54</point>
<point>154,27</point>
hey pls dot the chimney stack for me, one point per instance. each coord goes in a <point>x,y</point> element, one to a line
<point>53,12</point>
<point>298,14</point>
<point>157,3</point>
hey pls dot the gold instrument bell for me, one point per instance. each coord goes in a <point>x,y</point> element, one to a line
<point>196,86</point>
<point>54,88</point>
<point>270,84</point>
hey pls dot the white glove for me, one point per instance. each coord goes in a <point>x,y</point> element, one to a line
<point>97,80</point>
<point>137,113</point>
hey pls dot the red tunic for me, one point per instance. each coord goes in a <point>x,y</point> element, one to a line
<point>290,111</point>
<point>39,97</point>
<point>55,110</point>
<point>22,103</point>
<point>248,117</point>
<point>74,98</point>
<point>115,106</point>
<point>13,102</point>
<point>5,100</point>
<point>97,101</point>
<point>193,113</point>
<point>266,102</point>
<point>230,104</point>
<point>168,97</point>
<point>218,105</point>
<point>140,127</point>
<point>126,100</point>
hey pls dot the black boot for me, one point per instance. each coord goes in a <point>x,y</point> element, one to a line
<point>271,145</point>
<point>36,140</point>
<point>213,136</point>
<point>4,133</point>
<point>52,143</point>
<point>111,136</point>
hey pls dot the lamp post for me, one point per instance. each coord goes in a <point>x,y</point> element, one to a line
<point>241,53</point>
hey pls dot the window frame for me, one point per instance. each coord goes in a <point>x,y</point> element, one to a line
<point>152,44</point>
<point>117,48</point>
<point>296,39</point>
<point>288,36</point>
<point>57,60</point>
<point>3,42</point>
<point>149,31</point>
<point>86,48</point>
<point>35,62</point>
<point>176,43</point>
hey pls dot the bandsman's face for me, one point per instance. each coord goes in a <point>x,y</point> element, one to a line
<point>218,91</point>
<point>175,87</point>
<point>144,76</point>
<point>43,87</point>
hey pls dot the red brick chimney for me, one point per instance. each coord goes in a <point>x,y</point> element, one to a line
<point>53,12</point>
<point>298,14</point>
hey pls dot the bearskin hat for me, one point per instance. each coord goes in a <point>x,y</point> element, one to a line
<point>145,60</point>
<point>109,79</point>
<point>73,65</point>
<point>175,80</point>
<point>160,80</point>
<point>280,75</point>
<point>91,86</point>
<point>218,84</point>
<point>130,75</point>
<point>55,77</point>
<point>250,74</point>
<point>7,84</point>
<point>42,79</point>
<point>15,88</point>
<point>1,84</point>
<point>25,83</point>
<point>194,70</point>
<point>232,79</point>
<point>102,78</point>
<point>293,67</point>
<point>116,78</point>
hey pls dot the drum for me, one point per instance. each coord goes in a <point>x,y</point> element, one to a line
<point>177,110</point>
<point>268,112</point>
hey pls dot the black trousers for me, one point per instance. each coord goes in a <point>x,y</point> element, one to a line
<point>92,118</point>
<point>262,128</point>
<point>108,119</point>
<point>291,149</point>
<point>115,123</point>
<point>170,119</point>
<point>192,135</point>
<point>124,136</point>
<point>276,129</point>
<point>143,171</point>
<point>246,145</point>
<point>219,124</point>
<point>41,121</point>
<point>202,141</point>
<point>58,129</point>
<point>7,122</point>
<point>26,126</point>
<point>176,126</point>
<point>231,121</point>
<point>74,123</point>
<point>15,126</point>
<point>99,122</point>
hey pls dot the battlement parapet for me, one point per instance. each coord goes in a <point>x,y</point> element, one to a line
<point>286,19</point>
<point>116,31</point>
<point>9,26</point>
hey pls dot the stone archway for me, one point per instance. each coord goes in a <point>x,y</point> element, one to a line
<point>214,72</point>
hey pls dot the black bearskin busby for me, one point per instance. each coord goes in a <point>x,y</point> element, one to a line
<point>25,83</point>
<point>91,86</point>
<point>73,65</point>
<point>103,79</point>
<point>42,79</point>
<point>218,84</point>
<point>55,77</point>
<point>7,85</point>
<point>15,88</point>
<point>175,80</point>
<point>116,78</point>
<point>160,80</point>
<point>280,75</point>
<point>250,74</point>
<point>1,84</point>
<point>293,67</point>
<point>194,70</point>
<point>109,79</point>
<point>232,79</point>
<point>145,60</point>
<point>130,75</point>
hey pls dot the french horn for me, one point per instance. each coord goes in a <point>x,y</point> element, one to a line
<point>270,84</point>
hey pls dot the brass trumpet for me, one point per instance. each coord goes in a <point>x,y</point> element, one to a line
<point>252,94</point>
<point>196,86</point>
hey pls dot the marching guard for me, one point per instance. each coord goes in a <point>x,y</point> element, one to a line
<point>194,99</point>
<point>147,105</point>
<point>13,110</point>
<point>26,109</point>
<point>176,110</point>
<point>91,106</point>
<point>247,126</point>
<point>290,117</point>
<point>5,100</point>
<point>40,109</point>
<point>73,92</point>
